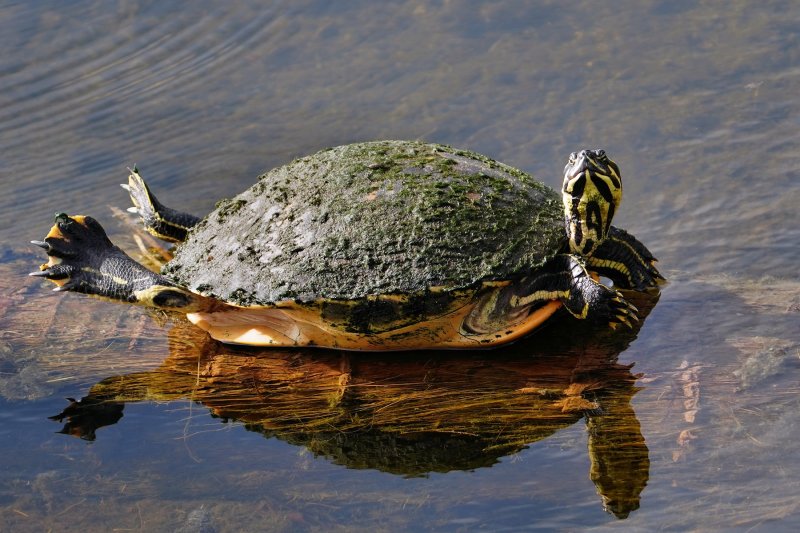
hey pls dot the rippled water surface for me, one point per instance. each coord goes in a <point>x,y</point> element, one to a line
<point>699,106</point>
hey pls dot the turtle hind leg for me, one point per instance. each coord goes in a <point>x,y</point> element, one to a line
<point>161,221</point>
<point>565,278</point>
<point>83,259</point>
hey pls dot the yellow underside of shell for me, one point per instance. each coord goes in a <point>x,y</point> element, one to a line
<point>297,326</point>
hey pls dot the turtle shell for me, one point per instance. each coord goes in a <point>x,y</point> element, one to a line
<point>377,218</point>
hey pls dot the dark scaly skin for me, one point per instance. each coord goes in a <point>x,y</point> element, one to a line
<point>84,260</point>
<point>625,261</point>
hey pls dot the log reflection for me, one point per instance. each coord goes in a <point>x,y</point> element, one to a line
<point>407,413</point>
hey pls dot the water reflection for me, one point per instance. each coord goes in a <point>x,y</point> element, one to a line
<point>407,414</point>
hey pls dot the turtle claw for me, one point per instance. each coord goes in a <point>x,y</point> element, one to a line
<point>76,248</point>
<point>54,271</point>
<point>69,285</point>
<point>125,186</point>
<point>624,321</point>
<point>621,312</point>
<point>59,252</point>
<point>52,250</point>
<point>82,259</point>
<point>651,278</point>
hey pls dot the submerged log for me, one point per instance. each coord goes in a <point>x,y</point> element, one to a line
<point>407,413</point>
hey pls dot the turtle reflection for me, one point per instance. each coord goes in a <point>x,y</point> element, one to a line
<point>407,414</point>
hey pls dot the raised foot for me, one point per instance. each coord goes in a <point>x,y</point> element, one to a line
<point>75,247</point>
<point>160,221</point>
<point>82,259</point>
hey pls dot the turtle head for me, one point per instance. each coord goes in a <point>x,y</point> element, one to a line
<point>592,191</point>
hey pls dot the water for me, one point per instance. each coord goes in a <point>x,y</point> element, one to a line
<point>698,105</point>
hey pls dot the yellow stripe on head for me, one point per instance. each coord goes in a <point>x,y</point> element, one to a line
<point>591,193</point>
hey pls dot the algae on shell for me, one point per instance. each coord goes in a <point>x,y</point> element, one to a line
<point>388,217</point>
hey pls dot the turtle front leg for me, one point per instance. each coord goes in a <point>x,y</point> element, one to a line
<point>160,221</point>
<point>83,259</point>
<point>625,261</point>
<point>565,278</point>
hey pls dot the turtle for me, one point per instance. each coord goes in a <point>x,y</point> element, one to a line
<point>377,246</point>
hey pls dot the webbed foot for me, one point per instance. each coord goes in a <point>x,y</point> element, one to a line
<point>83,259</point>
<point>74,246</point>
<point>600,304</point>
<point>621,312</point>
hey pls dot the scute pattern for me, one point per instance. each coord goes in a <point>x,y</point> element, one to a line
<point>389,217</point>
